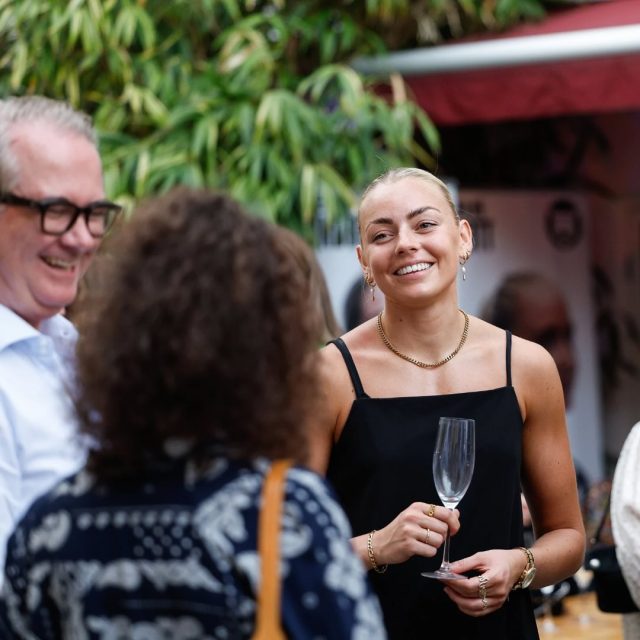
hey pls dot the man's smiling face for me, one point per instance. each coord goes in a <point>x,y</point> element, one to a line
<point>39,273</point>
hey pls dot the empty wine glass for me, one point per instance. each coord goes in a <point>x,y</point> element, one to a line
<point>453,462</point>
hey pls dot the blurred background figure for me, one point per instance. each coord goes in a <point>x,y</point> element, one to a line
<point>326,325</point>
<point>361,303</point>
<point>533,307</point>
<point>625,518</point>
<point>198,367</point>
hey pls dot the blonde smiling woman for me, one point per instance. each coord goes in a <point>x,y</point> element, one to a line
<point>387,382</point>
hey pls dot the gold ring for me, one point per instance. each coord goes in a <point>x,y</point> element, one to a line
<point>485,604</point>
<point>432,510</point>
<point>426,538</point>
<point>482,592</point>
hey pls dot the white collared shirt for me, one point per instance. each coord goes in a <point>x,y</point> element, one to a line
<point>625,520</point>
<point>38,444</point>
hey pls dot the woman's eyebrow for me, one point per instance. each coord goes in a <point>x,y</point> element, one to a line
<point>410,215</point>
<point>419,210</point>
<point>379,221</point>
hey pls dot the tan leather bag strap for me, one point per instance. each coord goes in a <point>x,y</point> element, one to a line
<point>268,625</point>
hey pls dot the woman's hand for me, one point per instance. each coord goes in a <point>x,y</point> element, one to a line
<point>419,530</point>
<point>499,570</point>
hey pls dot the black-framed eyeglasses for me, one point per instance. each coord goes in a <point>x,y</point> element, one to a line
<point>58,215</point>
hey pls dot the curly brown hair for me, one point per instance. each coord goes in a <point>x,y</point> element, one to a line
<point>204,332</point>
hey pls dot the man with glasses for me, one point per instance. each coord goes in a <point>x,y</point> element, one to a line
<point>53,215</point>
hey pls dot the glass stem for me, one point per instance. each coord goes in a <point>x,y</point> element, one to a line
<point>445,553</point>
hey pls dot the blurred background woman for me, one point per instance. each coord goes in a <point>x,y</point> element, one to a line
<point>361,304</point>
<point>196,370</point>
<point>327,327</point>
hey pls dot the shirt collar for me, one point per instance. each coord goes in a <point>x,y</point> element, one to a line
<point>14,329</point>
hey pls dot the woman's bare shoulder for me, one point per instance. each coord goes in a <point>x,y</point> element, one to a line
<point>536,380</point>
<point>486,332</point>
<point>488,342</point>
<point>359,343</point>
<point>358,340</point>
<point>523,352</point>
<point>532,367</point>
<point>532,358</point>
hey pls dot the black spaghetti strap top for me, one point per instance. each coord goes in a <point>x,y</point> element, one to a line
<point>382,463</point>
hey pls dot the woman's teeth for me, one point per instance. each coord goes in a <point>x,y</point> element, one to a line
<point>422,266</point>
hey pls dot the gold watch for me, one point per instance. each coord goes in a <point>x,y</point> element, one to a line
<point>529,573</point>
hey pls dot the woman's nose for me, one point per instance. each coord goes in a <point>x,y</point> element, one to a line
<point>406,240</point>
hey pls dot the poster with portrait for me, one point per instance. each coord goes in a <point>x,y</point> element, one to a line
<point>545,233</point>
<point>615,252</point>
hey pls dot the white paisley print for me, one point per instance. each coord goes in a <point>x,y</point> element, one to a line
<point>175,558</point>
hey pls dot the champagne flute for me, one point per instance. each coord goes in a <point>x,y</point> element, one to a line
<point>453,462</point>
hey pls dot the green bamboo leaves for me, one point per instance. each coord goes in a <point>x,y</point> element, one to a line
<point>252,96</point>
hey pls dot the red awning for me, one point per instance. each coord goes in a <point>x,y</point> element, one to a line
<point>572,85</point>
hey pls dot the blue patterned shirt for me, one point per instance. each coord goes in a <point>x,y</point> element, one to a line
<point>175,559</point>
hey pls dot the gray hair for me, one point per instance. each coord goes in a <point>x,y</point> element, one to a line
<point>395,175</point>
<point>14,110</point>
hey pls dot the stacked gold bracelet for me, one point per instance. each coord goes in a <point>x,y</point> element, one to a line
<point>372,558</point>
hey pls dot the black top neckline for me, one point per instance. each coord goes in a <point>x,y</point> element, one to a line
<point>362,395</point>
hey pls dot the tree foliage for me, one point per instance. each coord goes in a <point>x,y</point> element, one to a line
<point>408,23</point>
<point>251,96</point>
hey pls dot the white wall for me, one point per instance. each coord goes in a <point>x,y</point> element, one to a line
<point>341,268</point>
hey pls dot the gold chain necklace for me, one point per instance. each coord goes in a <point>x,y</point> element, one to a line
<point>418,363</point>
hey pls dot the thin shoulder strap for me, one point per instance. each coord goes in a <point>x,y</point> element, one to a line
<point>268,626</point>
<point>351,367</point>
<point>509,384</point>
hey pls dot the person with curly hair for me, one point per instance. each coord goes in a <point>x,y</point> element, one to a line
<point>197,369</point>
